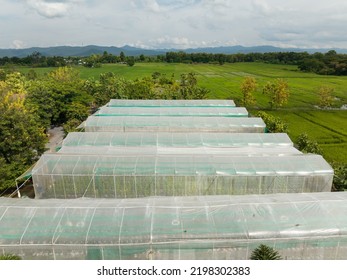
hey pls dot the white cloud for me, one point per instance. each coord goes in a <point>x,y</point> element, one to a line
<point>18,44</point>
<point>173,23</point>
<point>167,41</point>
<point>52,8</point>
<point>151,5</point>
<point>183,43</point>
<point>262,7</point>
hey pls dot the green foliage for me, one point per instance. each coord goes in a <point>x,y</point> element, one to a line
<point>9,257</point>
<point>340,177</point>
<point>158,86</point>
<point>273,124</point>
<point>264,252</point>
<point>92,61</point>
<point>107,87</point>
<point>42,101</point>
<point>189,80</point>
<point>71,125</point>
<point>329,63</point>
<point>313,65</point>
<point>139,89</point>
<point>189,88</point>
<point>130,61</point>
<point>306,145</point>
<point>122,56</point>
<point>59,97</point>
<point>22,138</point>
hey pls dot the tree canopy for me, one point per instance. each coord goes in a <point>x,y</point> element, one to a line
<point>22,138</point>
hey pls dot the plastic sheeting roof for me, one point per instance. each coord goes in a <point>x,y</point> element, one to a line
<point>166,139</point>
<point>239,151</point>
<point>188,165</point>
<point>188,221</point>
<point>173,111</point>
<point>170,103</point>
<point>176,124</point>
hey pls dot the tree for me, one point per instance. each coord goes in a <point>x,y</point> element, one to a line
<point>107,87</point>
<point>67,89</point>
<point>306,145</point>
<point>278,92</point>
<point>22,139</point>
<point>264,252</point>
<point>122,56</point>
<point>273,124</point>
<point>42,101</point>
<point>131,61</point>
<point>248,86</point>
<point>188,79</point>
<point>311,65</point>
<point>325,96</point>
<point>189,88</point>
<point>139,89</point>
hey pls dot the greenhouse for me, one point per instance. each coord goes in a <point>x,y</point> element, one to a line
<point>176,179</point>
<point>170,103</point>
<point>173,124</point>
<point>173,111</point>
<point>168,139</point>
<point>134,176</point>
<point>298,226</point>
<point>182,151</point>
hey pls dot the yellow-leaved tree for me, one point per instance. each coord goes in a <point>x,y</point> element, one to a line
<point>278,91</point>
<point>22,139</point>
<point>248,87</point>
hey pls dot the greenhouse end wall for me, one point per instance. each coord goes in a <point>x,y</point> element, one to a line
<point>298,226</point>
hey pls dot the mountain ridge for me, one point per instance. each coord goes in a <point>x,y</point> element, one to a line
<point>80,51</point>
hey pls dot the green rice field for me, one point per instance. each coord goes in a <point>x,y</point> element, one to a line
<point>327,127</point>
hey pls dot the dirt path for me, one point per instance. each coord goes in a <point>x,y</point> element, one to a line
<point>56,136</point>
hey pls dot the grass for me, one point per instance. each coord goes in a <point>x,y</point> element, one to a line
<point>328,128</point>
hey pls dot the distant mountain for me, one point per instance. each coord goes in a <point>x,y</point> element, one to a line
<point>257,49</point>
<point>133,51</point>
<point>78,51</point>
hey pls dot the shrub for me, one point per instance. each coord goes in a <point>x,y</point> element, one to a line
<point>273,124</point>
<point>340,177</point>
<point>306,145</point>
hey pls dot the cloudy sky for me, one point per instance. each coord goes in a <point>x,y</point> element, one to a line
<point>173,23</point>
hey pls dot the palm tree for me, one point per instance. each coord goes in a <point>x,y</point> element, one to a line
<point>9,257</point>
<point>264,252</point>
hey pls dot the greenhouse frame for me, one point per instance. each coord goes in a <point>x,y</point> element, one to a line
<point>173,124</point>
<point>168,139</point>
<point>112,176</point>
<point>298,226</point>
<point>170,103</point>
<point>173,111</point>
